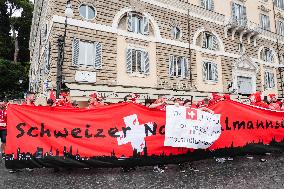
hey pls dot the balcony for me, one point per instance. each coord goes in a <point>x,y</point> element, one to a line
<point>245,29</point>
<point>185,6</point>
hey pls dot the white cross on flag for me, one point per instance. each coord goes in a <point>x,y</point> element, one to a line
<point>191,114</point>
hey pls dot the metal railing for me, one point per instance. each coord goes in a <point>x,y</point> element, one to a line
<point>202,12</point>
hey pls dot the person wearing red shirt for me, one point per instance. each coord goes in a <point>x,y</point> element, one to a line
<point>160,103</point>
<point>256,100</point>
<point>64,100</point>
<point>274,105</point>
<point>95,101</point>
<point>3,126</point>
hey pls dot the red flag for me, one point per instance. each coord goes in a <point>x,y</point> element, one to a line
<point>191,114</point>
<point>52,95</point>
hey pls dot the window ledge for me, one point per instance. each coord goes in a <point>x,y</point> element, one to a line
<point>211,82</point>
<point>139,75</point>
<point>82,67</point>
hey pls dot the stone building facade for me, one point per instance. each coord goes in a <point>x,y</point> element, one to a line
<point>172,47</point>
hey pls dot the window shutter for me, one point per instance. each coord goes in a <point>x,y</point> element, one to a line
<point>278,29</point>
<point>200,40</point>
<point>272,81</point>
<point>215,72</point>
<point>211,42</point>
<point>171,65</point>
<point>98,55</point>
<point>204,40</point>
<point>204,71</point>
<point>215,43</point>
<point>184,67</point>
<point>47,58</point>
<point>130,21</point>
<point>145,25</point>
<point>234,11</point>
<point>266,80</point>
<point>244,20</point>
<point>203,3</point>
<point>262,54</point>
<point>268,23</point>
<point>129,61</point>
<point>211,4</point>
<point>146,63</point>
<point>75,52</point>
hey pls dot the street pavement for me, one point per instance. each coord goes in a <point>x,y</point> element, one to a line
<point>239,172</point>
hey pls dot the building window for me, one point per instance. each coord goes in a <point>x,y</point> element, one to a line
<point>239,14</point>
<point>137,23</point>
<point>208,41</point>
<point>176,33</point>
<point>87,53</point>
<point>87,12</point>
<point>279,4</point>
<point>210,72</point>
<point>47,59</point>
<point>280,27</point>
<point>267,55</point>
<point>137,61</point>
<point>244,85</point>
<point>264,22</point>
<point>241,48</point>
<point>269,81</point>
<point>178,66</point>
<point>207,4</point>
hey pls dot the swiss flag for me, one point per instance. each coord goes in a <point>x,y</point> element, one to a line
<point>191,114</point>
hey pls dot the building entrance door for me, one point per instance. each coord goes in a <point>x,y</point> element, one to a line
<point>245,85</point>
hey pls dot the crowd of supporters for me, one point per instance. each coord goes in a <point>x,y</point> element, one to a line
<point>95,100</point>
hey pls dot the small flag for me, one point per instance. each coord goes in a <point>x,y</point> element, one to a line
<point>191,114</point>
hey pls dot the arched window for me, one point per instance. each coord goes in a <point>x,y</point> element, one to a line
<point>88,12</point>
<point>137,23</point>
<point>208,41</point>
<point>267,55</point>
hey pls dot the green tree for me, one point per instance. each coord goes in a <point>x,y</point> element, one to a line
<point>11,71</point>
<point>10,87</point>
<point>6,45</point>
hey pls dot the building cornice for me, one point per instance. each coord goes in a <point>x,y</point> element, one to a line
<point>158,39</point>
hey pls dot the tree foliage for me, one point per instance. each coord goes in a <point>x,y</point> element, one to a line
<point>10,73</point>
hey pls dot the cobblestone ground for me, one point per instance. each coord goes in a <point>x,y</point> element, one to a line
<point>241,172</point>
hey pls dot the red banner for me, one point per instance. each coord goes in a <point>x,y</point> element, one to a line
<point>125,130</point>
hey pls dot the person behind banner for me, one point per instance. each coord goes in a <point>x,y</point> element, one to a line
<point>95,101</point>
<point>273,104</point>
<point>64,100</point>
<point>50,102</point>
<point>256,100</point>
<point>178,102</point>
<point>200,106</point>
<point>30,99</point>
<point>282,105</point>
<point>215,97</point>
<point>3,126</point>
<point>134,97</point>
<point>160,103</point>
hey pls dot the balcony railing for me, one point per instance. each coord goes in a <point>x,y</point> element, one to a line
<point>194,10</point>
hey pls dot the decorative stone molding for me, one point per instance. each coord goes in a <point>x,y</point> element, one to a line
<point>209,56</point>
<point>279,15</point>
<point>263,8</point>
<point>137,6</point>
<point>137,42</point>
<point>174,23</point>
<point>245,63</point>
<point>86,2</point>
